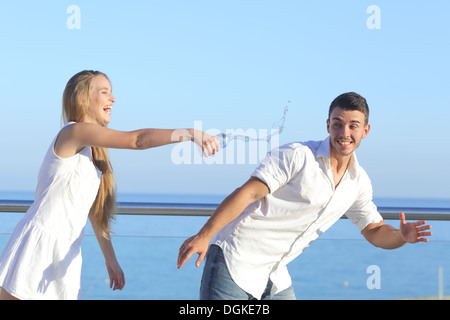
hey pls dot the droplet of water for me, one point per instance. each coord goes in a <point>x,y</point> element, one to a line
<point>224,139</point>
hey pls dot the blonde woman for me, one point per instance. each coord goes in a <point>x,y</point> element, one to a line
<point>42,259</point>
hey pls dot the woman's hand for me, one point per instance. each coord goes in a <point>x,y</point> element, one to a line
<point>116,275</point>
<point>209,144</point>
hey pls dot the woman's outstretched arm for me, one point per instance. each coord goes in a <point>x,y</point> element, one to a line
<point>75,137</point>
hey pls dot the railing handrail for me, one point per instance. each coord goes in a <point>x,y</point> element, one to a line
<point>202,209</point>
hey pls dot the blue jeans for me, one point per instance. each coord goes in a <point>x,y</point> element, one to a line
<point>218,285</point>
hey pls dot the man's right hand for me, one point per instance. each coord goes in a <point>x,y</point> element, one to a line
<point>195,244</point>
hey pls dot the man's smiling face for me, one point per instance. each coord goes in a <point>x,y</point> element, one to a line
<point>346,129</point>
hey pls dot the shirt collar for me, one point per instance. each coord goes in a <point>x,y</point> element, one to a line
<point>324,148</point>
<point>324,151</point>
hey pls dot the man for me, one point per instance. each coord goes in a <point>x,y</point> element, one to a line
<point>295,194</point>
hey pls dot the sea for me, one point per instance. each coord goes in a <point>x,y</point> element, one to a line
<point>340,265</point>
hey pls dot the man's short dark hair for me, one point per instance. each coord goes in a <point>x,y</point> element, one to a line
<point>351,101</point>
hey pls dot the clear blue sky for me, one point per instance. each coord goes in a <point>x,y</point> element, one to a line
<point>232,65</point>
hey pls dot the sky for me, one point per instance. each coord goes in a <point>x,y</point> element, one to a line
<point>232,65</point>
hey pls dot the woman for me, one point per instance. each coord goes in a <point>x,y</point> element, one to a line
<point>42,259</point>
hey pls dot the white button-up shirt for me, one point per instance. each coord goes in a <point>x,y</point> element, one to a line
<point>303,202</point>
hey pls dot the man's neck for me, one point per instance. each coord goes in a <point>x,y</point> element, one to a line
<point>339,165</point>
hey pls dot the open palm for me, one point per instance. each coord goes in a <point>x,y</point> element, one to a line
<point>414,232</point>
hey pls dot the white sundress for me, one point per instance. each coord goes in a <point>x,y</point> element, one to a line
<point>42,259</point>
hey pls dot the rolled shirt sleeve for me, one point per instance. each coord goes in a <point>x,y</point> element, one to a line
<point>363,211</point>
<point>280,165</point>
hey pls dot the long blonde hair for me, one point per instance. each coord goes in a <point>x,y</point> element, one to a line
<point>76,99</point>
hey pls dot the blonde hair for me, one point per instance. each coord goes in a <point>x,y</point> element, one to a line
<point>76,99</point>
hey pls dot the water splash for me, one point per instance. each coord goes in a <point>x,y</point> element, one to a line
<point>225,139</point>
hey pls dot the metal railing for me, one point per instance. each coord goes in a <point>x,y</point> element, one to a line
<point>199,209</point>
<point>146,240</point>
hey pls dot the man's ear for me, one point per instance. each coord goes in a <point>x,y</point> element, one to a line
<point>366,131</point>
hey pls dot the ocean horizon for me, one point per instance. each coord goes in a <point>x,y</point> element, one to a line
<point>339,265</point>
<point>217,198</point>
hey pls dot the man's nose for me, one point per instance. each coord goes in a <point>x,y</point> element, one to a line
<point>345,131</point>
